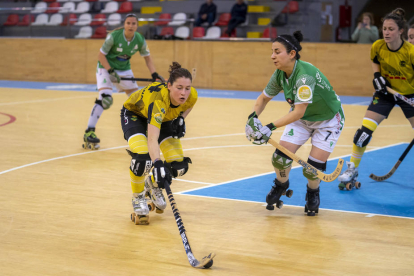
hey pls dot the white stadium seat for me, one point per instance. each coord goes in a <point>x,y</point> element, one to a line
<point>40,7</point>
<point>55,20</point>
<point>84,19</point>
<point>182,32</point>
<point>62,0</point>
<point>84,32</point>
<point>213,33</point>
<point>82,7</point>
<point>110,7</point>
<point>114,19</point>
<point>178,19</point>
<point>41,20</point>
<point>68,7</point>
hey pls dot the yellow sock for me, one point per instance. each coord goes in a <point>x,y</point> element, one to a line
<point>172,150</point>
<point>357,152</point>
<point>138,144</point>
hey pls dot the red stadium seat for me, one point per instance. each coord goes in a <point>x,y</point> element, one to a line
<point>167,31</point>
<point>26,20</point>
<point>164,16</point>
<point>12,20</point>
<point>292,7</point>
<point>224,19</point>
<point>270,34</point>
<point>100,32</point>
<point>71,17</point>
<point>119,0</point>
<point>98,20</point>
<point>233,33</point>
<point>53,7</point>
<point>198,32</point>
<point>49,1</point>
<point>125,7</point>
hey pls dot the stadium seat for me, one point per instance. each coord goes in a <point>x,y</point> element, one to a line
<point>40,7</point>
<point>213,33</point>
<point>76,0</point>
<point>55,20</point>
<point>100,32</point>
<point>53,8</point>
<point>167,31</point>
<point>165,17</point>
<point>224,19</point>
<point>71,18</point>
<point>178,19</point>
<point>110,7</point>
<point>98,20</point>
<point>63,0</point>
<point>12,20</point>
<point>49,1</point>
<point>84,32</point>
<point>67,7</point>
<point>120,0</point>
<point>233,33</point>
<point>114,19</point>
<point>26,20</point>
<point>84,19</point>
<point>105,0</point>
<point>198,32</point>
<point>182,32</point>
<point>41,19</point>
<point>125,7</point>
<point>82,7</point>
<point>291,7</point>
<point>91,0</point>
<point>270,34</point>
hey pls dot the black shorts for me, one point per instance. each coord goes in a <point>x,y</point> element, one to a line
<point>383,104</point>
<point>133,124</point>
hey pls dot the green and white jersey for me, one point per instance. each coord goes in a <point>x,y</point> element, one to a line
<point>308,85</point>
<point>118,50</point>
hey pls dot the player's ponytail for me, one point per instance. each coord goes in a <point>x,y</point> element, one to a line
<point>176,71</point>
<point>291,42</point>
<point>398,15</point>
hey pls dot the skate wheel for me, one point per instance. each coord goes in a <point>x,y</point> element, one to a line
<point>83,146</point>
<point>158,210</point>
<point>357,185</point>
<point>279,204</point>
<point>289,193</point>
<point>89,147</point>
<point>348,186</point>
<point>142,220</point>
<point>341,188</point>
<point>151,206</point>
<point>133,217</point>
<point>311,214</point>
<point>270,207</point>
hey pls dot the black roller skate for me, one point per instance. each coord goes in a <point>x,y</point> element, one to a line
<point>90,140</point>
<point>276,192</point>
<point>312,201</point>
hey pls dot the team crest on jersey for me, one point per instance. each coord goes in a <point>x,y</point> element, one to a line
<point>304,93</point>
<point>402,63</point>
<point>158,118</point>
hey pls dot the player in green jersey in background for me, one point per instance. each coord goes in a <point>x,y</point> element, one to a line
<point>113,63</point>
<point>316,113</point>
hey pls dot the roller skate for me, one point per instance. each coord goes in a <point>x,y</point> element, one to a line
<point>312,202</point>
<point>276,192</point>
<point>90,140</point>
<point>142,208</point>
<point>349,178</point>
<point>155,195</point>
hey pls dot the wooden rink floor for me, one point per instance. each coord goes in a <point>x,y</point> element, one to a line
<point>65,210</point>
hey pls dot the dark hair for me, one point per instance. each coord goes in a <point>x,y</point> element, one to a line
<point>177,72</point>
<point>370,15</point>
<point>398,16</point>
<point>411,27</point>
<point>291,42</point>
<point>130,15</point>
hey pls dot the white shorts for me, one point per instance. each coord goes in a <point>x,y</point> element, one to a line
<point>324,134</point>
<point>103,80</point>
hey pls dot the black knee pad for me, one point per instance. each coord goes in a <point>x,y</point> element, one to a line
<point>362,137</point>
<point>140,163</point>
<point>319,166</point>
<point>278,152</point>
<point>179,168</point>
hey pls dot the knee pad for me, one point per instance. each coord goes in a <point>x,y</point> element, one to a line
<point>362,137</point>
<point>140,163</point>
<point>105,99</point>
<point>281,161</point>
<point>179,168</point>
<point>319,166</point>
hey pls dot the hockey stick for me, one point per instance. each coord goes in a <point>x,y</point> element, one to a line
<point>399,96</point>
<point>322,176</point>
<point>137,79</point>
<point>392,171</point>
<point>207,261</point>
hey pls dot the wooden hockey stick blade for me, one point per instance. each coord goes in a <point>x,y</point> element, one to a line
<point>136,79</point>
<point>399,96</point>
<point>322,176</point>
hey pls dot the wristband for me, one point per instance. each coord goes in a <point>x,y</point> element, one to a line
<point>254,115</point>
<point>271,126</point>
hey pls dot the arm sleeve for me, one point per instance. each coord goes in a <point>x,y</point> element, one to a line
<point>106,47</point>
<point>155,115</point>
<point>355,35</point>
<point>273,87</point>
<point>144,51</point>
<point>305,89</point>
<point>374,35</point>
<point>374,57</point>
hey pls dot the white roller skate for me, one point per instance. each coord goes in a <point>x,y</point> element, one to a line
<point>349,178</point>
<point>141,209</point>
<point>155,194</point>
<point>90,140</point>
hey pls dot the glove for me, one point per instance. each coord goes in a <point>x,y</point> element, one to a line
<point>161,174</point>
<point>263,134</point>
<point>178,127</point>
<point>114,76</point>
<point>253,124</point>
<point>380,83</point>
<point>155,77</point>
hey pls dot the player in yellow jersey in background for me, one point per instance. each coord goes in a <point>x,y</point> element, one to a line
<point>393,66</point>
<point>411,34</point>
<point>153,120</point>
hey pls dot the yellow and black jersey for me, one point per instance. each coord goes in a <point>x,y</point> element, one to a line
<point>397,66</point>
<point>153,102</point>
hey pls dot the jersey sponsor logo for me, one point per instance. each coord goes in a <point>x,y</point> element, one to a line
<point>304,93</point>
<point>120,44</point>
<point>402,63</point>
<point>119,49</point>
<point>136,47</point>
<point>134,118</point>
<point>163,110</point>
<point>158,118</point>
